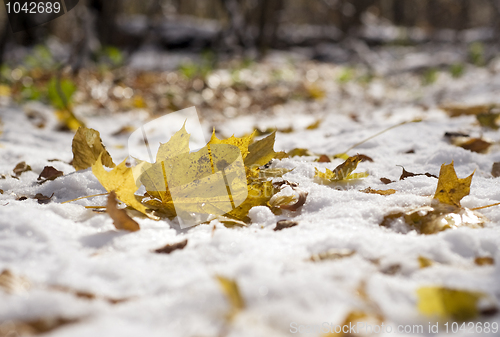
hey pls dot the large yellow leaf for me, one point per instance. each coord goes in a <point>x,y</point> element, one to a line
<point>450,189</point>
<point>241,143</point>
<point>262,151</point>
<point>87,147</point>
<point>121,180</point>
<point>176,145</point>
<point>448,303</point>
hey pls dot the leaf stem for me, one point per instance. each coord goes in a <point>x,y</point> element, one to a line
<point>88,196</point>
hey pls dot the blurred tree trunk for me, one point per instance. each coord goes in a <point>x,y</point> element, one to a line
<point>269,21</point>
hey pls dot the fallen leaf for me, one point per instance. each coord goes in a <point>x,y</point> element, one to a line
<point>407,174</point>
<point>169,248</point>
<point>120,218</point>
<point>381,192</point>
<point>125,130</point>
<point>450,189</point>
<point>342,172</point>
<point>424,262</point>
<point>495,170</point>
<point>262,151</point>
<point>488,120</point>
<point>432,220</point>
<point>11,283</point>
<point>298,152</point>
<point>314,125</point>
<point>231,291</point>
<point>332,254</point>
<point>121,181</point>
<point>386,180</point>
<point>282,224</point>
<point>50,173</point>
<point>42,199</point>
<point>35,327</point>
<point>364,157</point>
<point>484,261</point>
<point>241,143</point>
<point>476,145</point>
<point>324,159</point>
<point>87,147</point>
<point>445,303</point>
<point>20,168</point>
<point>461,110</point>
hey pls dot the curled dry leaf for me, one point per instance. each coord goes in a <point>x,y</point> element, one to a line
<point>381,192</point>
<point>87,147</point>
<point>324,159</point>
<point>282,224</point>
<point>20,168</point>
<point>445,303</point>
<point>50,173</point>
<point>476,145</point>
<point>333,254</point>
<point>342,172</point>
<point>121,220</point>
<point>407,174</point>
<point>169,248</point>
<point>431,220</point>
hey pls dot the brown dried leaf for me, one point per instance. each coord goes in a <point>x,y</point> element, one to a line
<point>169,248</point>
<point>461,110</point>
<point>495,170</point>
<point>50,173</point>
<point>407,174</point>
<point>87,147</point>
<point>20,168</point>
<point>476,145</point>
<point>121,220</point>
<point>282,224</point>
<point>42,199</point>
<point>484,261</point>
<point>386,180</point>
<point>324,159</point>
<point>381,192</point>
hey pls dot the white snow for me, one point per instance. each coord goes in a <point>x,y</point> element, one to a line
<point>68,245</point>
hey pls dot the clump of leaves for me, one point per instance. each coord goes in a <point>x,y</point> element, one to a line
<point>478,145</point>
<point>185,170</point>
<point>445,211</point>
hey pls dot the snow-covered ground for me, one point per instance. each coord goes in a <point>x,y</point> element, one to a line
<point>63,249</point>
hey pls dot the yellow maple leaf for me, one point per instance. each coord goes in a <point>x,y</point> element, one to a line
<point>448,303</point>
<point>450,189</point>
<point>262,151</point>
<point>241,143</point>
<point>121,180</point>
<point>87,147</point>
<point>342,172</point>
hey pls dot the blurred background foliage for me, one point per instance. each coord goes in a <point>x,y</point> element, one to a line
<point>101,51</point>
